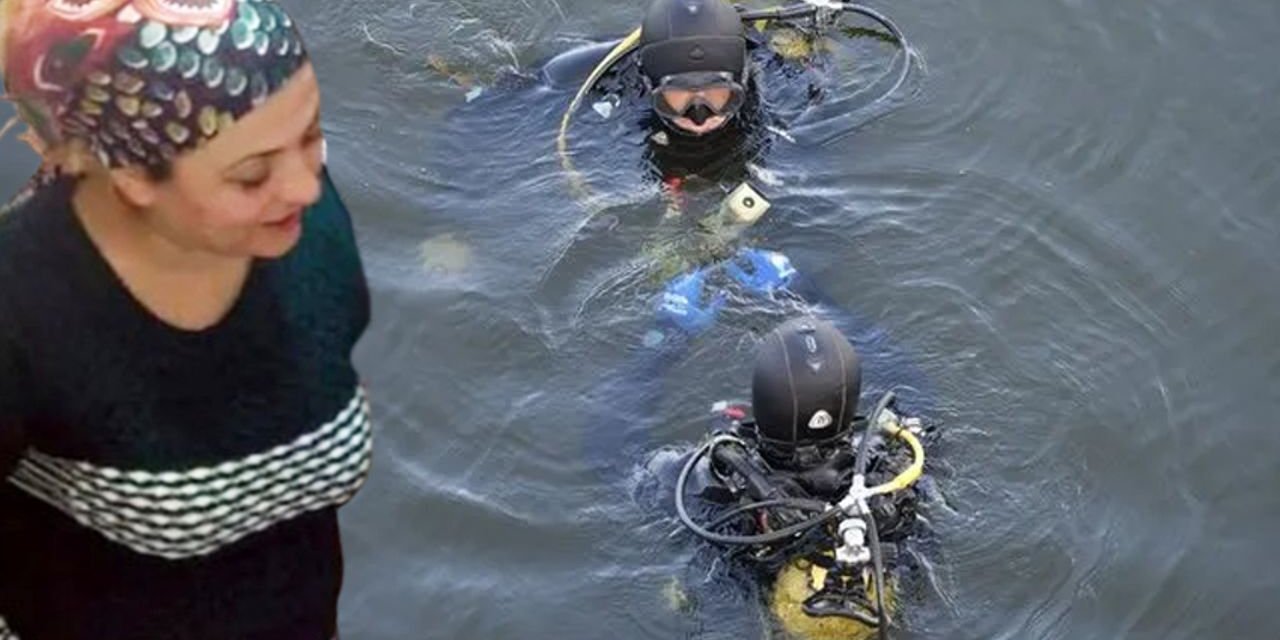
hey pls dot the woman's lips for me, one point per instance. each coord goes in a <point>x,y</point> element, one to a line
<point>286,223</point>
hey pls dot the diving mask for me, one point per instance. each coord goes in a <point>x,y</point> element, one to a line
<point>698,96</point>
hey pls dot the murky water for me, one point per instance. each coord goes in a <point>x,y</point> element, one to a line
<point>1060,242</point>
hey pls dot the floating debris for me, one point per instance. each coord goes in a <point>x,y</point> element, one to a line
<point>445,255</point>
<point>677,597</point>
<point>796,45</point>
<point>653,338</point>
<point>791,44</point>
<point>606,106</point>
<point>441,66</point>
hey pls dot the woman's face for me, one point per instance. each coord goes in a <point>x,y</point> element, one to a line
<point>243,193</point>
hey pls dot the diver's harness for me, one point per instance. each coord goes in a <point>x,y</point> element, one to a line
<point>821,12</point>
<point>857,545</point>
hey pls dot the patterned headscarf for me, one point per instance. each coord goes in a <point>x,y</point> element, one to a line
<point>140,81</point>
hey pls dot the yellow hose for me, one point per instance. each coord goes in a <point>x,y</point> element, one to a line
<point>576,181</point>
<point>911,473</point>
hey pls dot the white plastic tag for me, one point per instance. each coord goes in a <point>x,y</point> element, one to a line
<point>746,204</point>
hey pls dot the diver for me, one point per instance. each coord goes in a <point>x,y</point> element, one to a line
<point>693,59</point>
<point>813,499</point>
<point>692,65</point>
<point>697,66</point>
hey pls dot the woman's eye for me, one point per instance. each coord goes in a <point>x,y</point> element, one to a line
<point>253,182</point>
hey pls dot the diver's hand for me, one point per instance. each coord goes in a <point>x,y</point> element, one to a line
<point>762,272</point>
<point>683,304</point>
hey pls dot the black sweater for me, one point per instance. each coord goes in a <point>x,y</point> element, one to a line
<point>160,483</point>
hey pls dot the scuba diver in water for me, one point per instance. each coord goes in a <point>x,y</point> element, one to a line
<point>693,58</point>
<point>811,496</point>
<point>696,64</point>
<point>690,62</point>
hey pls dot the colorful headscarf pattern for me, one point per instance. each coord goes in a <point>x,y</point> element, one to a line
<point>140,81</point>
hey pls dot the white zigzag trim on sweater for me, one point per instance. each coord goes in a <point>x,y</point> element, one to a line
<point>182,514</point>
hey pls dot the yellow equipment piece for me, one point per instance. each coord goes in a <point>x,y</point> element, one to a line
<point>912,473</point>
<point>801,579</point>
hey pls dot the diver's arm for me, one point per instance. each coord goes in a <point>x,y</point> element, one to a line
<point>807,288</point>
<point>626,399</point>
<point>621,409</point>
<point>570,69</point>
<point>894,368</point>
<point>771,273</point>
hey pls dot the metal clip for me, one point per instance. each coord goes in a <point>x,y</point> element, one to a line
<point>853,542</point>
<point>827,12</point>
<point>855,502</point>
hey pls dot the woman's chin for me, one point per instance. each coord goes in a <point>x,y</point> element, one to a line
<point>275,240</point>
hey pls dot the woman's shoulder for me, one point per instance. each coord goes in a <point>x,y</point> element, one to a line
<point>41,182</point>
<point>26,221</point>
<point>327,263</point>
<point>329,239</point>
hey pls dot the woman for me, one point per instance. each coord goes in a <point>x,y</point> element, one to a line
<point>180,293</point>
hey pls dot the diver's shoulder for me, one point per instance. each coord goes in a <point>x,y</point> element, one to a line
<point>569,69</point>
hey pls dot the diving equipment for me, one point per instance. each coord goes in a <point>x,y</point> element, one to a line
<point>683,303</point>
<point>746,204</point>
<point>802,579</point>
<point>804,390</point>
<point>762,272</point>
<point>683,36</point>
<point>840,591</point>
<point>693,57</point>
<point>698,96</point>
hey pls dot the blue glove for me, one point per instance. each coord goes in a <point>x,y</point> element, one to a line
<point>762,272</point>
<point>682,303</point>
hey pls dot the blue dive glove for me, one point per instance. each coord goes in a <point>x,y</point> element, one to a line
<point>760,271</point>
<point>682,303</point>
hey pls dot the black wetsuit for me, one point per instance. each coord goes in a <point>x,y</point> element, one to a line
<point>159,483</point>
